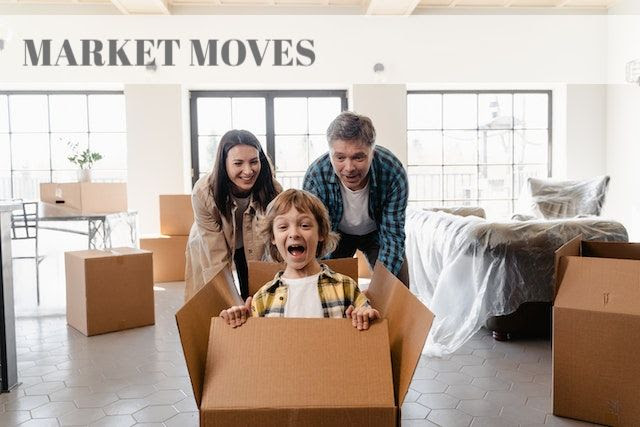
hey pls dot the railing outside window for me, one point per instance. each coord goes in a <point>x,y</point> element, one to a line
<point>476,148</point>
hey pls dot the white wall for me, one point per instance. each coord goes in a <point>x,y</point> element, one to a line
<point>155,159</point>
<point>623,156</point>
<point>563,53</point>
<point>625,7</point>
<point>623,124</point>
<point>586,131</point>
<point>414,49</point>
<point>386,105</point>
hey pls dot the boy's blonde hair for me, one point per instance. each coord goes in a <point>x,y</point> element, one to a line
<point>306,202</point>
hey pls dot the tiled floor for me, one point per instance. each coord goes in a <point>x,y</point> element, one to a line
<point>139,377</point>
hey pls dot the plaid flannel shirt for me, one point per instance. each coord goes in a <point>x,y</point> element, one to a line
<point>337,293</point>
<point>388,193</point>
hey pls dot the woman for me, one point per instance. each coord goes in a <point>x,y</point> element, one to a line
<point>226,203</point>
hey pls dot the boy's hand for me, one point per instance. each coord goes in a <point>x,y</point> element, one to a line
<point>361,316</point>
<point>238,314</point>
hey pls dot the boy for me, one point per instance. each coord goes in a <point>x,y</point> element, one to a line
<point>297,227</point>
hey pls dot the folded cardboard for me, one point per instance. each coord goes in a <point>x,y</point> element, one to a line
<point>109,291</point>
<point>596,332</point>
<point>261,272</point>
<point>86,197</point>
<point>176,214</point>
<point>278,372</point>
<point>364,270</point>
<point>168,256</point>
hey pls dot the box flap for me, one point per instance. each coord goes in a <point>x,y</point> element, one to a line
<point>618,250</point>
<point>600,284</point>
<point>99,253</point>
<point>90,253</point>
<point>261,272</point>
<point>409,324</point>
<point>194,319</point>
<point>128,251</point>
<point>571,248</point>
<point>297,363</point>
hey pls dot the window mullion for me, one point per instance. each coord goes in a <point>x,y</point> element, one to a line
<point>195,155</point>
<point>271,138</point>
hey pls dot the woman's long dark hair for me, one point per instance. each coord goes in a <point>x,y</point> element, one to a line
<point>219,183</point>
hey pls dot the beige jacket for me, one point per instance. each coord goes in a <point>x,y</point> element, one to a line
<point>212,239</point>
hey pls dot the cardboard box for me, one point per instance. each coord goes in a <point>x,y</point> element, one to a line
<point>87,197</point>
<point>277,372</point>
<point>109,291</point>
<point>596,332</point>
<point>261,272</point>
<point>364,270</point>
<point>176,214</point>
<point>168,256</point>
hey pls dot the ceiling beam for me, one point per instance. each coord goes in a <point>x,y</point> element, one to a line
<point>392,7</point>
<point>142,7</point>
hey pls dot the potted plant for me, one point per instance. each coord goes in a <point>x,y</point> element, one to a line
<point>84,159</point>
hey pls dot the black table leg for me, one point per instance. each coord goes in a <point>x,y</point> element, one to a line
<point>8,359</point>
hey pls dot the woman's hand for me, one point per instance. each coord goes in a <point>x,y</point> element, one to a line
<point>361,316</point>
<point>238,314</point>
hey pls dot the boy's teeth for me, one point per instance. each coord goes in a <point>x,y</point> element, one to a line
<point>296,250</point>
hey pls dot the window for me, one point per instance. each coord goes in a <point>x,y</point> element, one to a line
<point>290,125</point>
<point>476,148</point>
<point>36,129</point>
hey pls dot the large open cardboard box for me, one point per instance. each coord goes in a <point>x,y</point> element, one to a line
<point>109,290</point>
<point>312,372</point>
<point>596,332</point>
<point>86,197</point>
<point>176,214</point>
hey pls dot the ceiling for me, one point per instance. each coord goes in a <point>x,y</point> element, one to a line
<point>368,7</point>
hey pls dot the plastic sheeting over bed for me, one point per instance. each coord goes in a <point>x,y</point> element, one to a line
<point>466,269</point>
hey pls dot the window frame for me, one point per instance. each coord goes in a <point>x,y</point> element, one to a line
<point>477,165</point>
<point>48,93</point>
<point>269,96</point>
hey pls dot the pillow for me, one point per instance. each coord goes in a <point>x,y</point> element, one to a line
<point>552,199</point>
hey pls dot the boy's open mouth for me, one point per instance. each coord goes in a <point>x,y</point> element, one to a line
<point>296,250</point>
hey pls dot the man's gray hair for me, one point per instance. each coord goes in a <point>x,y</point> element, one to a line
<point>349,126</point>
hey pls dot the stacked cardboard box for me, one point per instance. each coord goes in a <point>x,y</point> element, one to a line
<point>86,197</point>
<point>110,290</point>
<point>596,332</point>
<point>176,218</point>
<point>315,368</point>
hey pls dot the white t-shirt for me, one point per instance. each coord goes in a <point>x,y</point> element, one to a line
<point>303,299</point>
<point>355,219</point>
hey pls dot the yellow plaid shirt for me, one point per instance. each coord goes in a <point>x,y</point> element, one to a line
<point>337,293</point>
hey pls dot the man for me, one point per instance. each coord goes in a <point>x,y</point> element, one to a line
<point>365,189</point>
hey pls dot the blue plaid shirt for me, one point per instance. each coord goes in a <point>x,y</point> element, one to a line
<point>388,193</point>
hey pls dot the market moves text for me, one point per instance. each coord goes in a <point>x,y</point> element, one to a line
<point>142,52</point>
